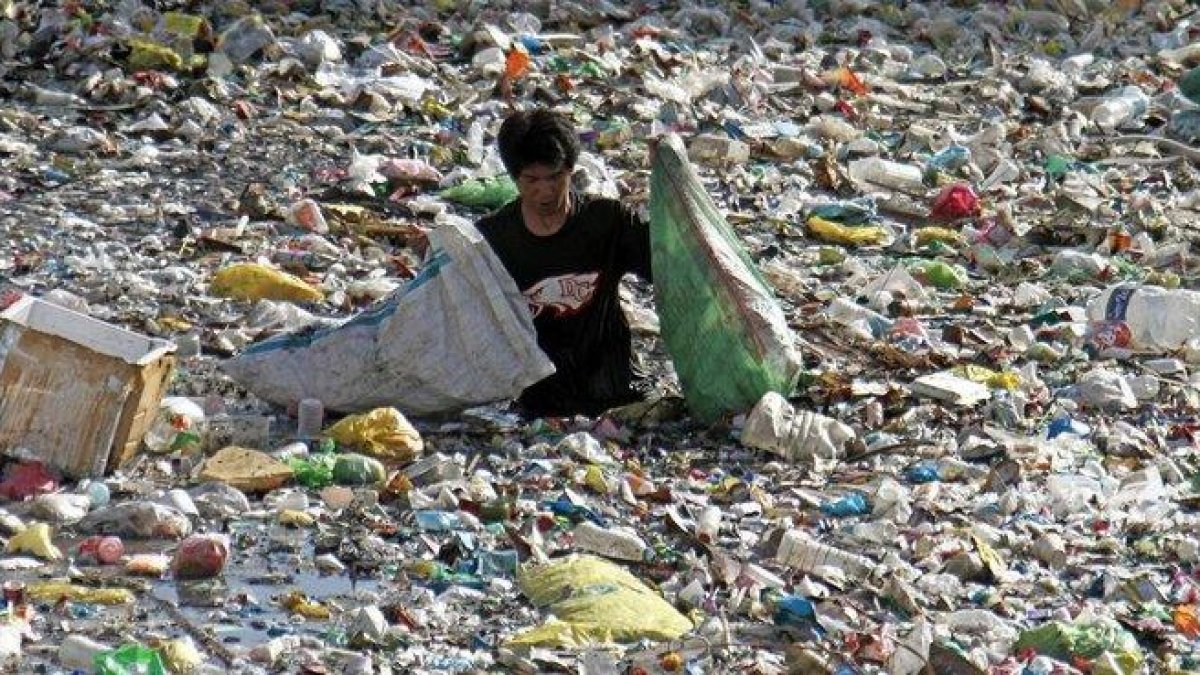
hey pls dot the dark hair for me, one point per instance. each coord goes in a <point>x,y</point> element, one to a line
<point>539,136</point>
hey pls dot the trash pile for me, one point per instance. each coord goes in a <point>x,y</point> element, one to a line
<point>976,220</point>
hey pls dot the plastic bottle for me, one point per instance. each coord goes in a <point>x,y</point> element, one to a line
<point>610,543</point>
<point>98,494</point>
<point>178,427</point>
<point>1124,105</point>
<point>776,426</point>
<point>310,418</point>
<point>887,174</point>
<point>1157,319</point>
<point>805,554</point>
<point>849,313</point>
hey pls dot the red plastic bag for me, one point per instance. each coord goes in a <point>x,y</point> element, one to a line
<point>28,479</point>
<point>954,202</point>
<point>201,556</point>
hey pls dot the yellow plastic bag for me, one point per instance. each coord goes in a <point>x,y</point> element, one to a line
<point>180,655</point>
<point>149,55</point>
<point>834,233</point>
<point>254,281</point>
<point>35,540</point>
<point>297,603</point>
<point>296,518</point>
<point>53,591</point>
<point>185,25</point>
<point>594,600</point>
<point>1009,380</point>
<point>928,235</point>
<point>382,432</point>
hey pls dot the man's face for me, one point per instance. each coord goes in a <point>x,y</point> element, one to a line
<point>544,188</point>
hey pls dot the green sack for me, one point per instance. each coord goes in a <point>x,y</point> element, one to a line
<point>482,193</point>
<point>726,333</point>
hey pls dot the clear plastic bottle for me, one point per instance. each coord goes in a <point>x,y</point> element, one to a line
<point>849,313</point>
<point>1158,319</point>
<point>888,174</point>
<point>805,554</point>
<point>1124,105</point>
<point>310,418</point>
<point>178,427</point>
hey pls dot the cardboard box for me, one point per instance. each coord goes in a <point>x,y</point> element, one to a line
<point>75,392</point>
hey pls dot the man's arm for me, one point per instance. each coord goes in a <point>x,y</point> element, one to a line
<point>634,244</point>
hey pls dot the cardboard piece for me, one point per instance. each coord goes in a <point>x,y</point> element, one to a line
<point>75,392</point>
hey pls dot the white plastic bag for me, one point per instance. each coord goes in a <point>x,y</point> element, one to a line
<point>457,335</point>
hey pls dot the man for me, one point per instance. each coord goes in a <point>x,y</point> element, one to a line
<point>567,252</point>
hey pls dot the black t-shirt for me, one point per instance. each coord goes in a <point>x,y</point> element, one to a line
<point>571,280</point>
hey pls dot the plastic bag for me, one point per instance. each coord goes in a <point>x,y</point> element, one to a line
<point>847,235</point>
<point>255,281</point>
<point>593,600</point>
<point>35,539</point>
<point>54,591</point>
<point>130,660</point>
<point>706,285</point>
<point>27,479</point>
<point>246,469</point>
<point>149,55</point>
<point>482,193</point>
<point>382,432</point>
<point>314,471</point>
<point>954,202</point>
<point>1089,640</point>
<point>355,469</point>
<point>457,335</point>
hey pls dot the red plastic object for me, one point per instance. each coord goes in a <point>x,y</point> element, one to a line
<point>954,202</point>
<point>28,479</point>
<point>104,550</point>
<point>201,556</point>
